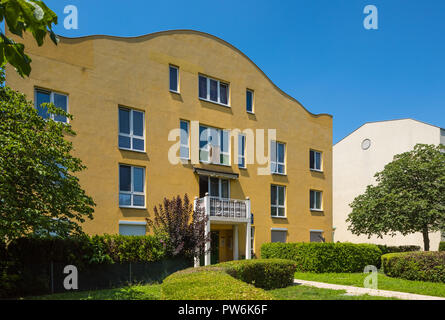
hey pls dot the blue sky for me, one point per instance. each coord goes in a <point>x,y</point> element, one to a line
<point>315,50</point>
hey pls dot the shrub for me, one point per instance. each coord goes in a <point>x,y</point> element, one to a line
<point>422,266</point>
<point>324,257</point>
<point>393,249</point>
<point>206,283</point>
<point>262,273</point>
<point>442,246</point>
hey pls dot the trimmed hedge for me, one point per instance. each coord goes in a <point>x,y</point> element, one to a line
<point>421,266</point>
<point>324,257</point>
<point>209,283</point>
<point>262,273</point>
<point>393,249</point>
<point>442,246</point>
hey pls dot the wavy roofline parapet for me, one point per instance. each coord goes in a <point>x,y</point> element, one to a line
<point>204,34</point>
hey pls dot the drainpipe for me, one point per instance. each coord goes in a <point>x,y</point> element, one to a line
<point>248,214</point>
<point>207,230</point>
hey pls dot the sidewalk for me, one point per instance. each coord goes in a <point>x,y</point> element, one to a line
<point>373,292</point>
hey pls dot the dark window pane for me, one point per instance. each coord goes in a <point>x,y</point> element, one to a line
<point>273,195</point>
<point>223,93</point>
<point>124,121</point>
<point>138,144</point>
<point>124,199</point>
<point>225,188</point>
<point>138,123</point>
<point>138,179</point>
<point>184,133</point>
<point>138,200</point>
<point>124,178</point>
<point>318,160</point>
<point>281,152</point>
<point>312,199</point>
<point>60,101</point>
<point>213,90</point>
<point>173,78</point>
<point>281,196</point>
<point>249,100</point>
<point>202,87</point>
<point>311,159</point>
<point>214,187</point>
<point>42,97</point>
<point>273,211</point>
<point>124,142</point>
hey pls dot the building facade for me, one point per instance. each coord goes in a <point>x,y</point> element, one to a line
<point>366,151</point>
<point>155,117</point>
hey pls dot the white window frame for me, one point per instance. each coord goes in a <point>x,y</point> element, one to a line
<point>277,206</point>
<point>242,150</point>
<point>132,192</point>
<point>206,148</point>
<point>320,194</point>
<point>177,78</point>
<point>218,91</point>
<point>276,162</point>
<point>132,135</point>
<point>51,100</point>
<point>181,145</point>
<point>312,166</point>
<point>253,103</point>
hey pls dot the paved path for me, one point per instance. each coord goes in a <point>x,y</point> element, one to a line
<point>373,292</point>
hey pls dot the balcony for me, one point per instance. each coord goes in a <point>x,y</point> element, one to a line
<point>220,209</point>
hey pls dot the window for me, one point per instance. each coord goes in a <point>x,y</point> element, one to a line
<point>249,101</point>
<point>241,151</point>
<point>277,201</point>
<point>174,79</point>
<point>315,200</point>
<point>252,241</point>
<point>277,150</point>
<point>59,100</point>
<point>219,188</point>
<point>316,236</point>
<point>214,145</point>
<point>131,129</point>
<point>184,149</point>
<point>213,90</point>
<point>278,235</point>
<point>315,160</point>
<point>131,186</point>
<point>132,228</point>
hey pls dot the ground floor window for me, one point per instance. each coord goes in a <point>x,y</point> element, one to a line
<point>131,186</point>
<point>278,235</point>
<point>316,236</point>
<point>132,228</point>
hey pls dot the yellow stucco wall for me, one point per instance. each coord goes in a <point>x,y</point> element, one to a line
<point>99,73</point>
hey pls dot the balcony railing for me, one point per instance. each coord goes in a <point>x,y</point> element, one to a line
<point>217,207</point>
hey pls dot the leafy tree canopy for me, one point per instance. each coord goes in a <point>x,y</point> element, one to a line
<point>39,192</point>
<point>24,16</point>
<point>409,196</point>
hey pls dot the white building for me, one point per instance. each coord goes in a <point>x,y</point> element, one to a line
<point>361,154</point>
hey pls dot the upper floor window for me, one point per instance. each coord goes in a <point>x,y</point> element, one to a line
<point>277,150</point>
<point>213,90</point>
<point>174,79</point>
<point>315,160</point>
<point>131,129</point>
<point>214,145</point>
<point>277,201</point>
<point>58,99</point>
<point>249,101</point>
<point>241,151</point>
<point>184,149</point>
<point>315,200</point>
<point>131,186</point>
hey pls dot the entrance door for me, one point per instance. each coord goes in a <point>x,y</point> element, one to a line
<point>214,247</point>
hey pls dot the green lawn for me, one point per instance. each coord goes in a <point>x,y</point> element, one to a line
<point>136,292</point>
<point>384,282</point>
<point>300,292</point>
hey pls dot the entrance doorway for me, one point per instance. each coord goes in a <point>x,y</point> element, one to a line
<point>214,247</point>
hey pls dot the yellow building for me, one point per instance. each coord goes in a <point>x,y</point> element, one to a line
<point>128,95</point>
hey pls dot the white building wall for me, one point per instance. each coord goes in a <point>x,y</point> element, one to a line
<point>354,169</point>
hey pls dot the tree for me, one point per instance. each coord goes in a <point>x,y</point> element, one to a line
<point>39,192</point>
<point>184,226</point>
<point>24,16</point>
<point>409,196</point>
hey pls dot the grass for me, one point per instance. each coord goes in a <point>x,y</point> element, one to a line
<point>384,282</point>
<point>135,292</point>
<point>300,292</point>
